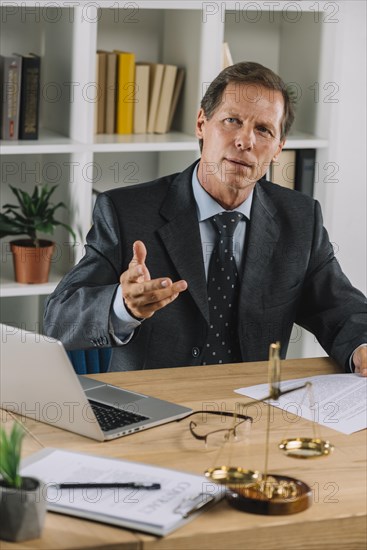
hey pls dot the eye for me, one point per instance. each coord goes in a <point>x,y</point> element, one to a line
<point>264,130</point>
<point>232,120</point>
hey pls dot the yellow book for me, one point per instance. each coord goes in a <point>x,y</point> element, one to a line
<point>125,92</point>
<point>95,127</point>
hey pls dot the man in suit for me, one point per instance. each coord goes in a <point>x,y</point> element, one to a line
<point>142,285</point>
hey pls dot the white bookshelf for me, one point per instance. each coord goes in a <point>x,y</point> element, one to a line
<point>9,288</point>
<point>48,142</point>
<point>173,141</point>
<point>297,40</point>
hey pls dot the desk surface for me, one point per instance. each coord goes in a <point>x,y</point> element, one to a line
<point>336,518</point>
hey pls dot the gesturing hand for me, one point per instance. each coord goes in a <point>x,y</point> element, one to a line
<point>360,360</point>
<point>142,295</point>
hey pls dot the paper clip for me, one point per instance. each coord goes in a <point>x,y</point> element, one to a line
<point>193,504</point>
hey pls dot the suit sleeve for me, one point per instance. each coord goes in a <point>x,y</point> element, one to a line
<point>77,312</point>
<point>331,308</point>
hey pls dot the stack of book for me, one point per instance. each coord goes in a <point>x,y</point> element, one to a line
<point>135,98</point>
<point>20,96</point>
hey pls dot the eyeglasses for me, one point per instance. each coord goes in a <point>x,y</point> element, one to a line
<point>215,428</point>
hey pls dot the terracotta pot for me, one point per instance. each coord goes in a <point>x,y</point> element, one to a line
<point>32,264</point>
<point>22,510</point>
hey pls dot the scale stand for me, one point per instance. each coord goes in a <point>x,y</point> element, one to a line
<point>261,492</point>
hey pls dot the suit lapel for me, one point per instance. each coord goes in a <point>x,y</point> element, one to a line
<point>181,238</point>
<point>262,238</point>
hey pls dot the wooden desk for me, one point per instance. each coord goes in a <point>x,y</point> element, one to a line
<point>336,519</point>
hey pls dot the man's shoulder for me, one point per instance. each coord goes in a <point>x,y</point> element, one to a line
<point>153,192</point>
<point>156,186</point>
<point>283,195</point>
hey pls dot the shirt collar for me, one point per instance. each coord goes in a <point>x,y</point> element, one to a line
<point>207,207</point>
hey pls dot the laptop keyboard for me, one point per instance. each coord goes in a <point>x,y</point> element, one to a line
<point>111,418</point>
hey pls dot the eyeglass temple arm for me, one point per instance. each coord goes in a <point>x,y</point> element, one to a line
<point>219,413</point>
<point>246,417</point>
<point>271,397</point>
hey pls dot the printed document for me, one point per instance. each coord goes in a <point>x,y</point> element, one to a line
<point>154,511</point>
<point>338,401</point>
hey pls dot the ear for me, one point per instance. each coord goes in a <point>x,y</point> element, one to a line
<point>200,121</point>
<point>279,150</point>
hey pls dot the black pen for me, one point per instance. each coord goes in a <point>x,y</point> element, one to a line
<point>129,485</point>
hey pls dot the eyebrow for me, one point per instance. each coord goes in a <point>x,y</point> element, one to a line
<point>231,114</point>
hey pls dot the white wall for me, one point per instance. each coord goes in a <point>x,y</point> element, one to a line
<point>333,85</point>
<point>346,200</point>
<point>341,188</point>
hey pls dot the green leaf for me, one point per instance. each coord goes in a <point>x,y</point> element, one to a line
<point>46,227</point>
<point>8,227</point>
<point>10,454</point>
<point>11,206</point>
<point>34,213</point>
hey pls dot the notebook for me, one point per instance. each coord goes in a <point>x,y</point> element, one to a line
<point>37,380</point>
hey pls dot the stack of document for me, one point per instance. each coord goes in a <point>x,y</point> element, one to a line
<point>338,401</point>
<point>119,492</point>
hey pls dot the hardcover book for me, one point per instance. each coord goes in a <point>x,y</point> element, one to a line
<point>125,92</point>
<point>155,84</point>
<point>305,171</point>
<point>30,96</point>
<point>11,75</point>
<point>176,95</point>
<point>165,99</point>
<point>101,91</point>
<point>282,171</point>
<point>141,98</point>
<point>227,59</point>
<point>111,84</point>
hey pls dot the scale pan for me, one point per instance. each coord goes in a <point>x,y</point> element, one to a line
<point>306,447</point>
<point>296,498</point>
<point>232,475</point>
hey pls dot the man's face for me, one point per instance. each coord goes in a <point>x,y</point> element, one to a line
<point>241,139</point>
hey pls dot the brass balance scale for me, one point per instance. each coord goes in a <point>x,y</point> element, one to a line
<point>269,494</point>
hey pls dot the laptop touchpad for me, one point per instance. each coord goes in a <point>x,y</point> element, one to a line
<point>113,396</point>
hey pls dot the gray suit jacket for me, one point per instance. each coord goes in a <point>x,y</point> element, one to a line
<point>290,275</point>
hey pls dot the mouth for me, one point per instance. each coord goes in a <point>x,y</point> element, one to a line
<point>239,162</point>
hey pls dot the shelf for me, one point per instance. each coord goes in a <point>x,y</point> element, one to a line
<point>118,4</point>
<point>9,288</point>
<point>48,142</point>
<point>187,34</point>
<point>173,141</point>
<point>176,141</point>
<point>300,140</point>
<point>51,142</point>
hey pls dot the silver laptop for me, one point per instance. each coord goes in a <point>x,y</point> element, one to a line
<point>37,380</point>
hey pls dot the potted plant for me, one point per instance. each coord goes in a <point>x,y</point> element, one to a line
<point>22,503</point>
<point>33,214</point>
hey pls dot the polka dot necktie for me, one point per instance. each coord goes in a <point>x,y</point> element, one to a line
<point>222,345</point>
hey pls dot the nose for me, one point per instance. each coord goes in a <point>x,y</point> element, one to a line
<point>245,139</point>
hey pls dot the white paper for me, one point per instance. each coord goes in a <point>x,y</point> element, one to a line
<point>155,511</point>
<point>339,400</point>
